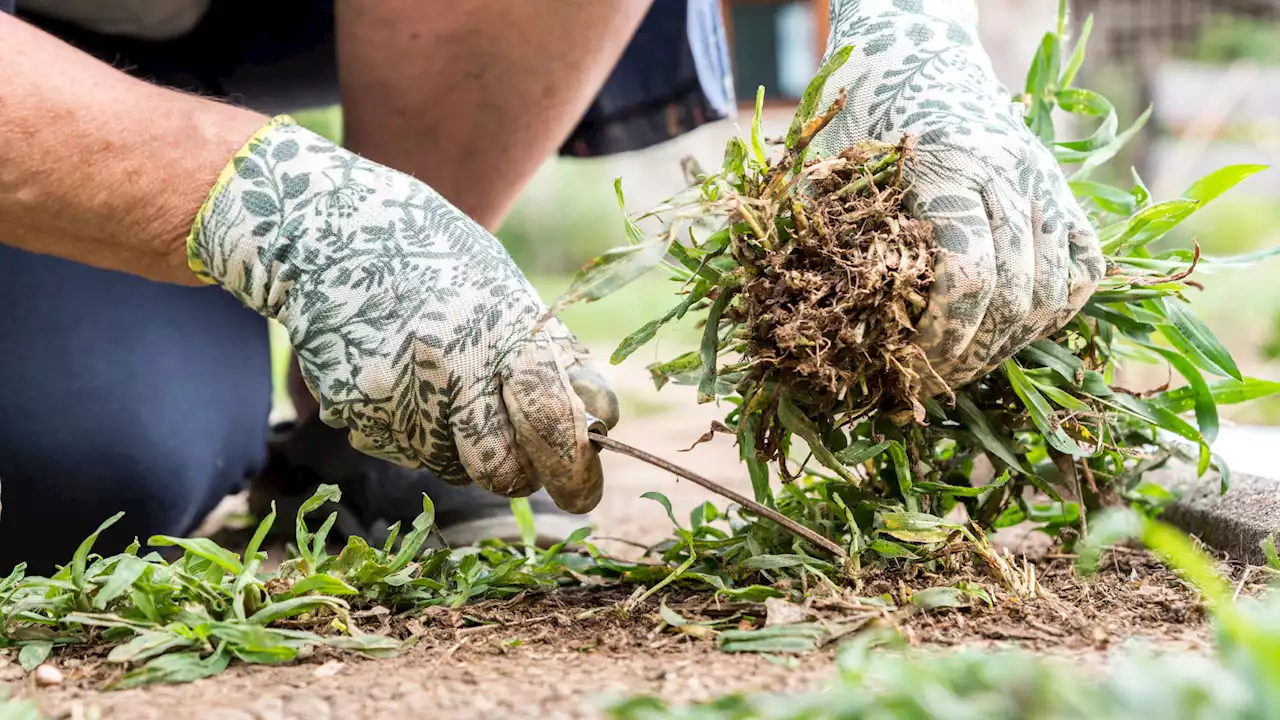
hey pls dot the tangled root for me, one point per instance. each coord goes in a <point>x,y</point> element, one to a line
<point>831,310</point>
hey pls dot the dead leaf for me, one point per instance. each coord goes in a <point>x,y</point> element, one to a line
<point>375,611</point>
<point>443,616</point>
<point>781,612</point>
<point>716,427</point>
<point>701,632</point>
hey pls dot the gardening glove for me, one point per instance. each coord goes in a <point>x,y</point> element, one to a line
<point>412,325</point>
<point>1018,256</point>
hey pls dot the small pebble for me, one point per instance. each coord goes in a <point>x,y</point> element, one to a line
<point>328,670</point>
<point>48,675</point>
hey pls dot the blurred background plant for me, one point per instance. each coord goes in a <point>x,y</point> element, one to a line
<point>1230,39</point>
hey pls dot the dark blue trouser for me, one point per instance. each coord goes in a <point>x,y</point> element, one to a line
<point>117,393</point>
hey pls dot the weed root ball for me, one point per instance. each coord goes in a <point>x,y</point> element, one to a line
<point>831,308</point>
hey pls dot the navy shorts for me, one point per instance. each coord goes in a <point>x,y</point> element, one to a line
<point>124,394</point>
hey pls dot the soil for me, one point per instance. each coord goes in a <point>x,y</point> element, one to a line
<point>564,654</point>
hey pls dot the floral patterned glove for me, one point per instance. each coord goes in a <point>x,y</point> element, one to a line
<point>1019,256</point>
<point>412,325</point>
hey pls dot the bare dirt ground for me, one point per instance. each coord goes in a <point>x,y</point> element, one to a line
<point>540,657</point>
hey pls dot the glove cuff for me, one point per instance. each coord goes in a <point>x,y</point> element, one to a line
<point>195,258</point>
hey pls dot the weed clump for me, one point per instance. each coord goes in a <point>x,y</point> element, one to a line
<point>830,310</point>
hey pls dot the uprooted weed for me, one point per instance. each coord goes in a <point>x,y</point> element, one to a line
<point>829,314</point>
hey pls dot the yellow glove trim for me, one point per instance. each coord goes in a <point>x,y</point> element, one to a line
<point>193,256</point>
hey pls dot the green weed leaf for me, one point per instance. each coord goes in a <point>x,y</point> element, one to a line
<point>795,421</point>
<point>711,346</point>
<point>1211,186</point>
<point>936,598</point>
<point>293,607</point>
<point>147,645</point>
<point>664,502</point>
<point>1042,414</point>
<point>813,94</point>
<point>860,451</point>
<point>758,152</point>
<point>795,638</point>
<point>977,423</point>
<point>176,668</point>
<point>80,560</point>
<point>1224,392</point>
<point>128,569</point>
<point>649,330</point>
<point>1200,337</point>
<point>374,646</point>
<point>34,653</point>
<point>610,272</point>
<point>202,548</point>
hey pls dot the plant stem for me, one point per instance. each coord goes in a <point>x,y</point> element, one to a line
<point>878,172</point>
<point>755,507</point>
<point>757,229</point>
<point>1067,466</point>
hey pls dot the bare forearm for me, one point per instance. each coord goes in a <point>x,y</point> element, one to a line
<point>471,97</point>
<point>101,168</point>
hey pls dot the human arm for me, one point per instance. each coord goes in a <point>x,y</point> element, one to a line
<point>472,97</point>
<point>101,168</point>
<point>84,175</point>
<point>1020,257</point>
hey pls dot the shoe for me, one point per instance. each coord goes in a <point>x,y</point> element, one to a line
<point>376,494</point>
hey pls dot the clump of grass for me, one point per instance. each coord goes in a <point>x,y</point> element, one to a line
<point>829,296</point>
<point>189,618</point>
<point>808,279</point>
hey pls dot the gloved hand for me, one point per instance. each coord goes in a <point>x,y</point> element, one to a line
<point>412,325</point>
<point>1019,255</point>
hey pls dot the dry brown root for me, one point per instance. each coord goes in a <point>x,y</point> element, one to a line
<point>830,311</point>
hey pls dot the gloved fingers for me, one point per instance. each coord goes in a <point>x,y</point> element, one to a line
<point>548,426</point>
<point>1069,262</point>
<point>420,438</point>
<point>584,373</point>
<point>1012,297</point>
<point>965,279</point>
<point>1086,265</point>
<point>484,427</point>
<point>1051,286</point>
<point>594,391</point>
